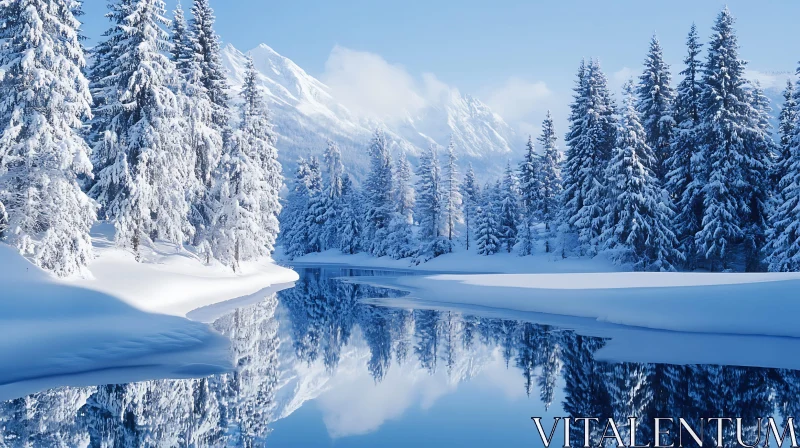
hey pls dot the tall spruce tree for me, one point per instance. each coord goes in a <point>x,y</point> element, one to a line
<point>404,189</point>
<point>787,122</point>
<point>350,222</point>
<point>378,192</point>
<point>589,140</point>
<point>142,166</point>
<point>638,211</point>
<point>508,216</point>
<point>530,187</point>
<point>315,214</point>
<point>334,175</point>
<point>207,46</point>
<point>487,238</point>
<point>726,130</point>
<point>453,199</point>
<point>470,192</point>
<point>687,169</point>
<point>246,224</point>
<point>430,211</point>
<point>293,219</point>
<point>45,98</point>
<point>760,150</point>
<point>655,104</point>
<point>200,135</point>
<point>550,177</point>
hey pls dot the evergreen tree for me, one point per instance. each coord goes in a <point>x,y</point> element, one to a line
<point>378,192</point>
<point>550,176</point>
<point>142,167</point>
<point>486,232</point>
<point>317,202</point>
<point>293,219</point>
<point>638,216</point>
<point>200,135</point>
<point>350,227</point>
<point>207,46</point>
<point>431,207</point>
<point>334,175</point>
<point>404,190</point>
<point>726,129</point>
<point>530,187</point>
<point>453,199</point>
<point>787,122</point>
<point>470,192</point>
<point>655,106</point>
<point>760,150</point>
<point>687,168</point>
<point>589,142</point>
<point>509,210</point>
<point>246,225</point>
<point>783,237</point>
<point>45,97</point>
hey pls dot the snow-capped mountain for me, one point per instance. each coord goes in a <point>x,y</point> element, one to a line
<point>306,115</point>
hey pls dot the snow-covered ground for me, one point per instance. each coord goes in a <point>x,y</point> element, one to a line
<point>173,281</point>
<point>116,327</point>
<point>746,304</point>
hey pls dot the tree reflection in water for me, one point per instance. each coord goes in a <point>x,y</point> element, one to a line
<point>321,315</point>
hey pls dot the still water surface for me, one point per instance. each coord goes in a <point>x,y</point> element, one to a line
<point>324,364</point>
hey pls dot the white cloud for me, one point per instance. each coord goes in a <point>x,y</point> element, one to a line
<point>769,80</point>
<point>517,98</point>
<point>523,103</point>
<point>369,85</point>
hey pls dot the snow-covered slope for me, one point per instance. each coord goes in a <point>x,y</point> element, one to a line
<point>306,115</point>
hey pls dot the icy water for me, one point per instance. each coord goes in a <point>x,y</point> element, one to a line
<point>345,364</point>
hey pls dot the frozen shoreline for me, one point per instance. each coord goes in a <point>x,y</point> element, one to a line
<point>726,304</point>
<point>125,323</point>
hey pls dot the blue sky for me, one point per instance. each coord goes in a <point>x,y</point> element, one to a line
<point>502,50</point>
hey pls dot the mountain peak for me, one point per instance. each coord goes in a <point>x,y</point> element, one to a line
<point>307,114</point>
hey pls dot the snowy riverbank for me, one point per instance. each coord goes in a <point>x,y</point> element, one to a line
<point>115,326</point>
<point>744,304</point>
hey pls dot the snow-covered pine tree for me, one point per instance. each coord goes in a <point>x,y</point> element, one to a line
<point>787,122</point>
<point>317,203</point>
<point>550,177</point>
<point>783,236</point>
<point>638,212</point>
<point>400,241</point>
<point>655,106</point>
<point>471,194</point>
<point>687,175</point>
<point>530,186</point>
<point>404,189</point>
<point>45,98</point>
<point>589,140</point>
<point>142,166</point>
<point>430,211</point>
<point>725,127</point>
<point>453,200</point>
<point>486,232</point>
<point>246,224</point>
<point>201,136</point>
<point>334,173</point>
<point>760,150</point>
<point>378,193</point>
<point>350,227</point>
<point>207,45</point>
<point>293,219</point>
<point>508,219</point>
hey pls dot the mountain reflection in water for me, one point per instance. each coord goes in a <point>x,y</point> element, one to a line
<point>289,347</point>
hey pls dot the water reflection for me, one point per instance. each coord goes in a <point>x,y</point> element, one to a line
<point>277,343</point>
